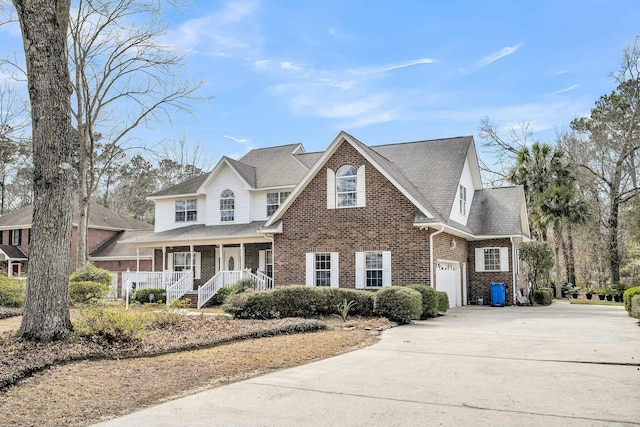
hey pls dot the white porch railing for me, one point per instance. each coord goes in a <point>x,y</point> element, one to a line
<point>152,279</point>
<point>181,287</point>
<point>113,288</point>
<point>226,279</point>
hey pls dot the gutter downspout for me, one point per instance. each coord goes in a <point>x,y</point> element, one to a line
<point>513,268</point>
<point>431,255</point>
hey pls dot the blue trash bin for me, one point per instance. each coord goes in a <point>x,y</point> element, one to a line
<point>498,294</point>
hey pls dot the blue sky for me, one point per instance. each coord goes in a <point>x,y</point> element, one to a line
<point>393,71</point>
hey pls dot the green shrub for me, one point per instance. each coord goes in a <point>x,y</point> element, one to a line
<point>297,301</point>
<point>85,292</point>
<point>111,323</point>
<point>244,285</point>
<point>628,295</point>
<point>635,307</point>
<point>91,273</point>
<point>363,301</point>
<point>442,302</point>
<point>12,292</point>
<point>223,293</point>
<point>429,306</point>
<point>398,304</point>
<point>543,296</point>
<point>142,296</point>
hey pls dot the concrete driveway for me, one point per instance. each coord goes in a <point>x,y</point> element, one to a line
<point>563,365</point>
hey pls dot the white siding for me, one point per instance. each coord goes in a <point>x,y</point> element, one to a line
<point>467,181</point>
<point>166,213</point>
<point>259,205</point>
<point>228,179</point>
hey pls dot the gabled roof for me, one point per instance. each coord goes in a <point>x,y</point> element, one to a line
<point>188,187</point>
<point>499,212</point>
<point>99,217</point>
<point>111,248</point>
<point>12,252</point>
<point>277,166</point>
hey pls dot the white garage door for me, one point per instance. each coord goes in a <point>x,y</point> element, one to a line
<point>448,280</point>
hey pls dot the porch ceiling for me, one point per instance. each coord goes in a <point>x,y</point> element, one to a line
<point>200,234</point>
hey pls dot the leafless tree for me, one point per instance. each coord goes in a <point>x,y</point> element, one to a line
<point>44,28</point>
<point>124,77</point>
<point>500,150</point>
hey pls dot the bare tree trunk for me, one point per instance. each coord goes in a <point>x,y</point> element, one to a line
<point>614,252</point>
<point>44,30</point>
<point>557,238</point>
<point>571,264</point>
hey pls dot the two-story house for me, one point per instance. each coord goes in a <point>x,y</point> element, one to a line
<point>351,216</point>
<point>106,228</point>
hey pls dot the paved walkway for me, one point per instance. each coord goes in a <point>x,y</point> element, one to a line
<point>563,365</point>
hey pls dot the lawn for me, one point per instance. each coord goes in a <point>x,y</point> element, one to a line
<point>80,382</point>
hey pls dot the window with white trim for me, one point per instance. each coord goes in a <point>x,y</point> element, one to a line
<point>186,210</point>
<point>322,269</point>
<point>347,187</point>
<point>274,200</point>
<point>373,269</point>
<point>227,206</point>
<point>463,200</point>
<point>182,261</point>
<point>492,259</point>
<point>15,237</point>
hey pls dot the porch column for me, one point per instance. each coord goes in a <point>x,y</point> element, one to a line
<point>9,268</point>
<point>242,256</point>
<point>220,258</point>
<point>164,258</point>
<point>192,255</point>
<point>137,260</point>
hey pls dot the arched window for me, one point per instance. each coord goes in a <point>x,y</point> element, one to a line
<point>227,206</point>
<point>347,186</point>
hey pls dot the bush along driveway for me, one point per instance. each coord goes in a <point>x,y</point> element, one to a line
<point>560,365</point>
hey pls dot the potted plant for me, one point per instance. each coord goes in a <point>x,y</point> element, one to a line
<point>618,291</point>
<point>574,292</point>
<point>602,292</point>
<point>609,294</point>
<point>590,292</point>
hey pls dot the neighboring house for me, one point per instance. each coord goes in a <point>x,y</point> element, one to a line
<point>352,216</point>
<point>106,228</point>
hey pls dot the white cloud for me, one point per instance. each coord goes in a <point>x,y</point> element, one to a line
<point>391,67</point>
<point>490,59</point>
<point>567,89</point>
<point>288,65</point>
<point>236,139</point>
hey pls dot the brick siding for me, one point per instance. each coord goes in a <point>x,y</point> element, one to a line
<point>480,282</point>
<point>385,224</point>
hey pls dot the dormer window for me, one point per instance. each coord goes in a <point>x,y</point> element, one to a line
<point>227,206</point>
<point>186,210</point>
<point>463,200</point>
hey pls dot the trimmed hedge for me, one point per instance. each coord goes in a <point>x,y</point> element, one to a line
<point>91,273</point>
<point>628,296</point>
<point>297,301</point>
<point>12,292</point>
<point>429,300</point>
<point>442,302</point>
<point>543,296</point>
<point>142,296</point>
<point>635,307</point>
<point>86,291</point>
<point>223,293</point>
<point>399,304</point>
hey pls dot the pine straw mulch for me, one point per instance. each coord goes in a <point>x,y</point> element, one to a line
<point>66,389</point>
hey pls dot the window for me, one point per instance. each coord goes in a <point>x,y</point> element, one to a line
<point>463,200</point>
<point>182,261</point>
<point>373,269</point>
<point>322,269</point>
<point>186,210</point>
<point>268,259</point>
<point>274,200</point>
<point>492,259</point>
<point>227,206</point>
<point>15,237</point>
<point>346,189</point>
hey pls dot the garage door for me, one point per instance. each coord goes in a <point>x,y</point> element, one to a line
<point>448,280</point>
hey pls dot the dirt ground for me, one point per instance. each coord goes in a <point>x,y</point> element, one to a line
<point>83,393</point>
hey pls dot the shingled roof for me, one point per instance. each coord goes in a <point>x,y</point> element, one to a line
<point>496,212</point>
<point>99,217</point>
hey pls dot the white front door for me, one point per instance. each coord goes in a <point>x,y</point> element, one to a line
<point>448,280</point>
<point>231,259</point>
